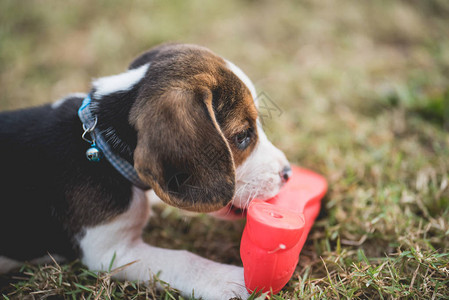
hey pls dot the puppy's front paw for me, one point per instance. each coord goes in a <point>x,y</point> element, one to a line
<point>228,283</point>
<point>235,293</point>
<point>236,286</point>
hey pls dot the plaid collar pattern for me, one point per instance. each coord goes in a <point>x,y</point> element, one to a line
<point>121,165</point>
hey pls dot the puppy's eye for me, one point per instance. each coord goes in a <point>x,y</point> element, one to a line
<point>242,139</point>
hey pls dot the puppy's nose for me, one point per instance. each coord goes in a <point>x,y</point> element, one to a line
<point>286,173</point>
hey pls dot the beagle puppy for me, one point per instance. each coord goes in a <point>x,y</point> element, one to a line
<point>181,122</point>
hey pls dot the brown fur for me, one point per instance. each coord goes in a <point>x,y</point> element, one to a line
<point>186,115</point>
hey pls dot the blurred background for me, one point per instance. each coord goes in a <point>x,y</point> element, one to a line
<point>360,91</point>
<point>312,58</point>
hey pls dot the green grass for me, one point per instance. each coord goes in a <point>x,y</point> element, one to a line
<point>364,92</point>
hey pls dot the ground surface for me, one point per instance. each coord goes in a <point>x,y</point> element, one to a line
<point>363,97</point>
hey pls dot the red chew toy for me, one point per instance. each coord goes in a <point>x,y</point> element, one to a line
<point>276,230</point>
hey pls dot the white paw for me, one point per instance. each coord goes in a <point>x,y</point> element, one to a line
<point>227,283</point>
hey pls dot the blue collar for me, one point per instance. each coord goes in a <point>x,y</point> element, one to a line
<point>97,141</point>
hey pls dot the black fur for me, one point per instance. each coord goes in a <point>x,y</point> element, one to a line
<point>114,124</point>
<point>49,190</point>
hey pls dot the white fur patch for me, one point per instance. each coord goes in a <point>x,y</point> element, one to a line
<point>59,102</point>
<point>120,82</point>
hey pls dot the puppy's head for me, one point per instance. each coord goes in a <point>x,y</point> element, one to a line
<point>199,144</point>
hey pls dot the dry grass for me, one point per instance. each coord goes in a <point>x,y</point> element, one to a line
<point>364,90</point>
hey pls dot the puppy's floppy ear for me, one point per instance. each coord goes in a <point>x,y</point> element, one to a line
<point>181,151</point>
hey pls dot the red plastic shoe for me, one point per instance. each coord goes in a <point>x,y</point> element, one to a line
<point>276,231</point>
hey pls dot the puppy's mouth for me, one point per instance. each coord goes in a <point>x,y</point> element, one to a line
<point>230,212</point>
<point>237,210</point>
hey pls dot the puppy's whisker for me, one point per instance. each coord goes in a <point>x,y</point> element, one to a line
<point>249,198</point>
<point>243,189</point>
<point>229,210</point>
<point>245,204</point>
<point>240,191</point>
<point>252,197</point>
